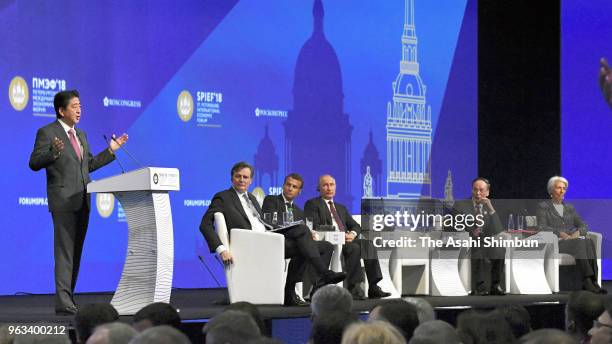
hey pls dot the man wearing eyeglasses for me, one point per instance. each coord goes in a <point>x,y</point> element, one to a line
<point>490,225</point>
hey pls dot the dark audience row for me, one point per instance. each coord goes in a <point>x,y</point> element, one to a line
<point>588,319</point>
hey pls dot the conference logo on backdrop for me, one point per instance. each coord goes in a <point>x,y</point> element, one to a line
<point>105,203</point>
<point>207,106</point>
<point>43,93</point>
<point>270,113</point>
<point>184,106</point>
<point>18,93</point>
<point>129,103</point>
<point>259,194</point>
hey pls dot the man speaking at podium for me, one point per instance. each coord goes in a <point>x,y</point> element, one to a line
<point>62,150</point>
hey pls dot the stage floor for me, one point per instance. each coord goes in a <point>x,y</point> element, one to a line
<point>198,305</point>
<point>289,324</point>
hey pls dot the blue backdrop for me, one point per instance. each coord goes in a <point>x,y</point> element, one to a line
<point>304,86</point>
<point>586,118</point>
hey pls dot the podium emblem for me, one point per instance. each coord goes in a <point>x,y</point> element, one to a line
<point>105,203</point>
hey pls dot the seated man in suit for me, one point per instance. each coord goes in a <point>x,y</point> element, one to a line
<point>480,204</point>
<point>324,211</point>
<point>285,203</point>
<point>241,210</point>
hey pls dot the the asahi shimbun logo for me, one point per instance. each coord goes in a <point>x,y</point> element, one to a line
<point>184,106</point>
<point>105,203</point>
<point>18,93</point>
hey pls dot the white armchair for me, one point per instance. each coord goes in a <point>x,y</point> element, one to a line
<point>450,267</point>
<point>531,271</point>
<point>258,272</point>
<point>410,267</point>
<point>561,259</point>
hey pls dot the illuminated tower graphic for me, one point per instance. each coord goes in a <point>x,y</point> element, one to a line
<point>449,199</point>
<point>409,123</point>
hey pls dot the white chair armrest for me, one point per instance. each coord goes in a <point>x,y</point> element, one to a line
<point>597,240</point>
<point>257,274</point>
<point>221,228</point>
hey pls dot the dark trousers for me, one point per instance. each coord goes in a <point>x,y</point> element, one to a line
<point>353,252</point>
<point>69,235</point>
<point>584,252</point>
<point>481,257</point>
<point>303,250</point>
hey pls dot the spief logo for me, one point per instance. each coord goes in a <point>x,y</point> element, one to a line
<point>184,106</point>
<point>259,194</point>
<point>18,93</point>
<point>105,203</point>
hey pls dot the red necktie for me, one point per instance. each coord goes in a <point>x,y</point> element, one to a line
<point>341,227</point>
<point>75,144</point>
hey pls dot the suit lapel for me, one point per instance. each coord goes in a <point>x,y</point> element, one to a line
<point>341,213</point>
<point>280,203</point>
<point>553,211</point>
<point>238,204</point>
<point>328,215</point>
<point>84,144</point>
<point>62,135</point>
<point>255,202</point>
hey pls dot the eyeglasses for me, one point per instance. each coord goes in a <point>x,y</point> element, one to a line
<point>597,324</point>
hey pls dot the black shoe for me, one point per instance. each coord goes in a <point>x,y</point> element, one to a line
<point>66,311</point>
<point>592,286</point>
<point>291,299</point>
<point>374,292</point>
<point>329,277</point>
<point>480,290</point>
<point>357,293</point>
<point>496,289</point>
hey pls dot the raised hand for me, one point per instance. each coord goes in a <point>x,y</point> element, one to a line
<point>605,80</point>
<point>117,142</point>
<point>57,145</point>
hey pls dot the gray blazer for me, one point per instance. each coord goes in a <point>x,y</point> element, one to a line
<point>550,220</point>
<point>67,177</point>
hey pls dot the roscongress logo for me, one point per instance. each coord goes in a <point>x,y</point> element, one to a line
<point>105,203</point>
<point>184,106</point>
<point>130,103</point>
<point>270,113</point>
<point>18,93</point>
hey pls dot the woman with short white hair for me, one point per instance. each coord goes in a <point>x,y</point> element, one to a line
<point>561,218</point>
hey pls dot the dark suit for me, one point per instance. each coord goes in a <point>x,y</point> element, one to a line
<point>69,203</point>
<point>297,265</point>
<point>582,249</point>
<point>352,251</point>
<point>228,203</point>
<point>491,227</point>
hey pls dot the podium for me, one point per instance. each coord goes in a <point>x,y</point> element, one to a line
<point>149,262</point>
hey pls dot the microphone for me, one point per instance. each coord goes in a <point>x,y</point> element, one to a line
<point>117,158</point>
<point>128,153</point>
<point>208,269</point>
